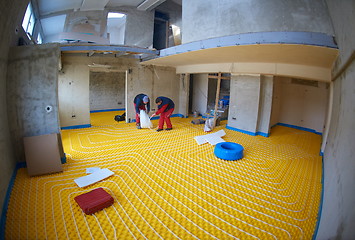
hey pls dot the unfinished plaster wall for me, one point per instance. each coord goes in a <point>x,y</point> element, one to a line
<point>338,213</point>
<point>11,13</point>
<point>139,80</point>
<point>107,90</point>
<point>303,105</point>
<point>153,81</point>
<point>74,97</point>
<point>199,93</point>
<point>209,18</point>
<point>139,28</point>
<point>166,83</point>
<point>32,92</point>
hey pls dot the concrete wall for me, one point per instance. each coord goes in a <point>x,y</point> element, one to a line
<point>139,27</point>
<point>107,90</point>
<point>32,88</point>
<point>153,81</point>
<point>200,93</point>
<point>74,85</point>
<point>11,13</point>
<point>166,83</point>
<point>303,105</point>
<point>338,213</point>
<point>204,19</point>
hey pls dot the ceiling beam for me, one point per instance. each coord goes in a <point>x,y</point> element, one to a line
<point>148,5</point>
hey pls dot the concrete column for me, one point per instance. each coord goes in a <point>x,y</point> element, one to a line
<point>32,82</point>
<point>200,92</point>
<point>265,105</point>
<point>184,94</point>
<point>244,103</point>
<point>73,93</point>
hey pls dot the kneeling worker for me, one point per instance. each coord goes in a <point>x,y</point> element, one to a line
<point>165,109</point>
<point>140,103</point>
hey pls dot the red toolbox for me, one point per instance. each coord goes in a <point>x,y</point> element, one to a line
<point>94,201</point>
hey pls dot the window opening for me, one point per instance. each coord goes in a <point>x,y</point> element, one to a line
<point>28,22</point>
<point>116,26</point>
<point>39,39</point>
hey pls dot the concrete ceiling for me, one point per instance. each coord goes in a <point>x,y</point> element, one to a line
<point>52,13</point>
<point>53,7</point>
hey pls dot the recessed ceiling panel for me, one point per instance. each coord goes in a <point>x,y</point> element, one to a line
<point>53,6</point>
<point>119,3</point>
<point>53,25</point>
<point>89,5</point>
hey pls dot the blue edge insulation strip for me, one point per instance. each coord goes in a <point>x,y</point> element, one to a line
<point>23,165</point>
<point>108,110</point>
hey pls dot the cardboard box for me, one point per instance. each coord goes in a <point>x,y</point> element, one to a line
<point>42,154</point>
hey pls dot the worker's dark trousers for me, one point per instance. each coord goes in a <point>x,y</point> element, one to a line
<point>165,117</point>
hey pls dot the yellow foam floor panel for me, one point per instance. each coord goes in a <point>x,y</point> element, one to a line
<point>166,186</point>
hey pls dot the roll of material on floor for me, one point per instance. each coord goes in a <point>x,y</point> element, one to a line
<point>229,151</point>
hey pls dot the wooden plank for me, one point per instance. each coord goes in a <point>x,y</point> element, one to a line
<point>217,97</point>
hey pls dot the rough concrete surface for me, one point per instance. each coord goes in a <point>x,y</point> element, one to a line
<point>204,19</point>
<point>32,89</point>
<point>107,90</point>
<point>338,212</point>
<point>8,22</point>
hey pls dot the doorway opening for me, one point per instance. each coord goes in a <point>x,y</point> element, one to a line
<point>202,94</point>
<point>116,26</point>
<point>161,30</point>
<point>107,91</point>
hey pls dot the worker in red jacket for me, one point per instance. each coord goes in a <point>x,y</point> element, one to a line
<point>141,102</point>
<point>165,109</point>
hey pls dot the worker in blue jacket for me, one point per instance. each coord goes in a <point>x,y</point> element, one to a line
<point>141,102</point>
<point>165,109</point>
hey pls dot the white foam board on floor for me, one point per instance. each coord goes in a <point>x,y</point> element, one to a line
<point>92,170</point>
<point>211,138</point>
<point>214,140</point>
<point>94,177</point>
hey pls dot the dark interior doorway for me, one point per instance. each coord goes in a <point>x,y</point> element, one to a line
<point>161,30</point>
